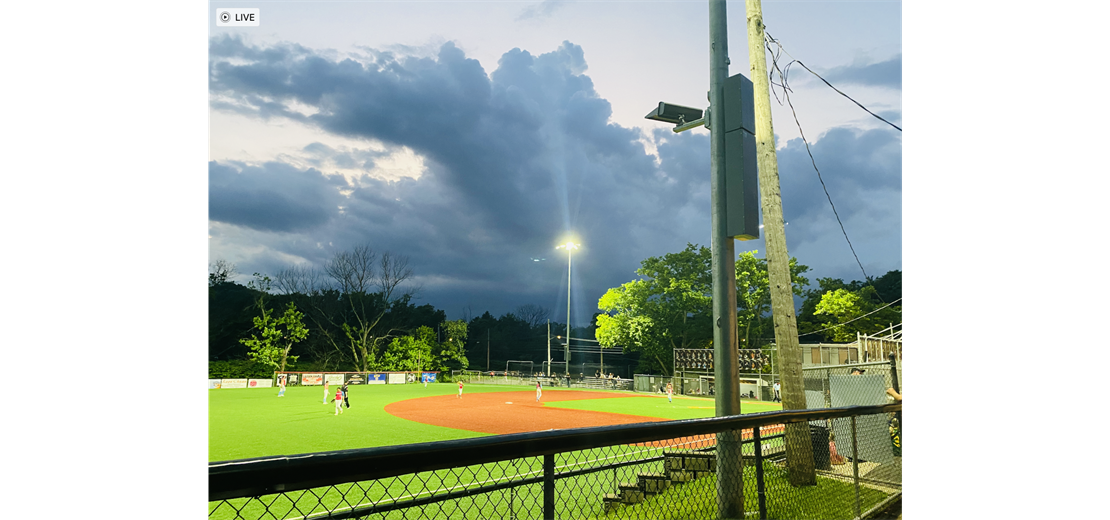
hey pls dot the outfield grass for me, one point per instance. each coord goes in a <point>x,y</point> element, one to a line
<point>254,422</point>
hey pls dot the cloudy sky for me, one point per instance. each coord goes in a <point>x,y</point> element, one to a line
<point>473,137</point>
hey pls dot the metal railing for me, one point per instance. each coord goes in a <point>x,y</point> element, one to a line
<point>645,470</point>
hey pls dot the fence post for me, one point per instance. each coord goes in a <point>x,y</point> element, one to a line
<point>512,493</point>
<point>549,486</point>
<point>759,473</point>
<point>855,463</point>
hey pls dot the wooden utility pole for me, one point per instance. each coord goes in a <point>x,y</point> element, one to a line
<point>799,450</point>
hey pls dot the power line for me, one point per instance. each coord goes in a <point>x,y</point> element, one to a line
<point>771,40</point>
<point>853,319</point>
<point>786,94</point>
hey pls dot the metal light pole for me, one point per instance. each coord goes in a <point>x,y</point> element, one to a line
<point>726,366</point>
<point>569,247</point>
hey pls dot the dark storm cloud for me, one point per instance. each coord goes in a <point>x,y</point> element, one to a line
<point>272,197</point>
<point>882,74</point>
<point>514,159</point>
<point>862,171</point>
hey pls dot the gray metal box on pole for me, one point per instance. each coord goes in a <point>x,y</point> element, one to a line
<point>741,167</point>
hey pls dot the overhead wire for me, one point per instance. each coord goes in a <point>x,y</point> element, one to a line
<point>776,42</point>
<point>782,72</point>
<point>851,320</point>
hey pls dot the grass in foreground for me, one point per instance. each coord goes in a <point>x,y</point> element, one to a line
<point>830,499</point>
<point>577,497</point>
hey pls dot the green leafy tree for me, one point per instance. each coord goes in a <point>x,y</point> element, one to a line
<point>858,311</point>
<point>276,337</point>
<point>451,353</point>
<point>671,307</point>
<point>753,295</point>
<point>410,353</point>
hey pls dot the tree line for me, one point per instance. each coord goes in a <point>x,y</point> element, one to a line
<point>357,313</point>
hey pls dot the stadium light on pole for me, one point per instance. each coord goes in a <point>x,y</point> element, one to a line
<point>570,246</point>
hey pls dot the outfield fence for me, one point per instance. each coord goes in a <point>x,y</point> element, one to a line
<point>498,377</point>
<point>661,470</point>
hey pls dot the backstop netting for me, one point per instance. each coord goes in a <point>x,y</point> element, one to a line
<point>519,368</point>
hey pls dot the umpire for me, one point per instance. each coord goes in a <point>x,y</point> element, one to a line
<point>346,399</point>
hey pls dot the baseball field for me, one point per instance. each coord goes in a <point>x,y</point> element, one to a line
<point>248,423</point>
<point>254,422</point>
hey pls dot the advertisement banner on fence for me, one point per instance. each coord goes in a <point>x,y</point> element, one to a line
<point>356,379</point>
<point>429,377</point>
<point>334,379</point>
<point>213,384</point>
<point>312,379</point>
<point>396,379</point>
<point>260,383</point>
<point>375,379</point>
<point>233,383</point>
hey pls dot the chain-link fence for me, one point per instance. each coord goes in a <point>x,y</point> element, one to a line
<point>583,370</point>
<point>767,465</point>
<point>877,438</point>
<point>498,377</point>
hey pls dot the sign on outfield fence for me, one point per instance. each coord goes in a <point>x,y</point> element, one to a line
<point>233,383</point>
<point>312,379</point>
<point>213,384</point>
<point>334,379</point>
<point>375,379</point>
<point>260,383</point>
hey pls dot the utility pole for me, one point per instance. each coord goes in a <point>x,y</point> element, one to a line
<point>487,349</point>
<point>726,366</point>
<point>548,348</point>
<point>799,450</point>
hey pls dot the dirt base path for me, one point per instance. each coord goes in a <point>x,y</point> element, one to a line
<point>509,412</point>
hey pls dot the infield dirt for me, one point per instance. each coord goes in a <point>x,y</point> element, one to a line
<point>510,412</point>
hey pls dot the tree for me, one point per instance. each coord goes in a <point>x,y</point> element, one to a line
<point>533,315</point>
<point>671,307</point>
<point>873,306</point>
<point>857,312</point>
<point>753,295</point>
<point>410,353</point>
<point>277,337</point>
<point>451,354</point>
<point>351,301</point>
<point>220,272</point>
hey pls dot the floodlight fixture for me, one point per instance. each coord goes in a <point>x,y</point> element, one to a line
<point>674,114</point>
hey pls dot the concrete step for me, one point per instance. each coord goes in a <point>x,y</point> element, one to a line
<point>612,501</point>
<point>653,483</point>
